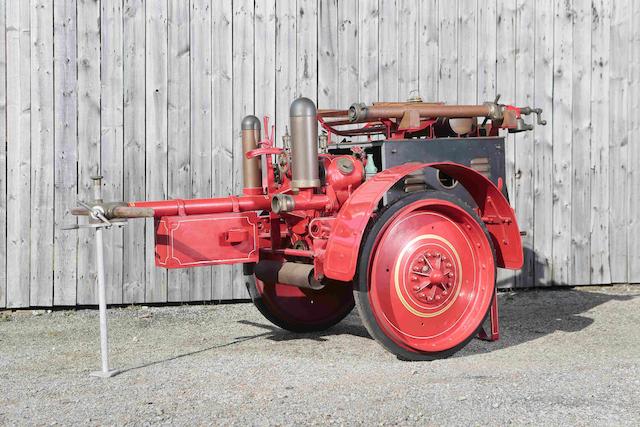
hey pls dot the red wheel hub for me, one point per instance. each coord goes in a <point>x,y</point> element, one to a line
<point>431,276</point>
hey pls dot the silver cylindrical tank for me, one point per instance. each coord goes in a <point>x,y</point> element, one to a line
<point>251,170</point>
<point>304,144</point>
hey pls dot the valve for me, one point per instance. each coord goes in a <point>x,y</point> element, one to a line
<point>537,111</point>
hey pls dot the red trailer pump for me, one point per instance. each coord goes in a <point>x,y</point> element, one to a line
<point>415,246</point>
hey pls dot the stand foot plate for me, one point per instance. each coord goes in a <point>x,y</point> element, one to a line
<point>107,374</point>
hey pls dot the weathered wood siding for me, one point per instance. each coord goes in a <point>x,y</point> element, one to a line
<point>150,94</point>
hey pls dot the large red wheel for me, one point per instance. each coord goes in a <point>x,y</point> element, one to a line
<point>426,276</point>
<point>301,310</point>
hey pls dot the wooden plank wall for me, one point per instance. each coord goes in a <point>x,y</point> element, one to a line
<point>150,94</point>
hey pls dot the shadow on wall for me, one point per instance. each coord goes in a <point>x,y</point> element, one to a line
<point>535,273</point>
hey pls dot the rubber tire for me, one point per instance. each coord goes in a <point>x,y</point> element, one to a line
<point>287,324</point>
<point>361,285</point>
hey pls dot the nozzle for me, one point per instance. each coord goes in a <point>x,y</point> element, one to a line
<point>357,111</point>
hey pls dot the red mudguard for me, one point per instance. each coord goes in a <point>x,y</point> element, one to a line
<point>343,246</point>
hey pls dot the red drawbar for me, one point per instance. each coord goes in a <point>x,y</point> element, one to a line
<point>200,240</point>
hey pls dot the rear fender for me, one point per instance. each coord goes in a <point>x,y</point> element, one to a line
<point>343,246</point>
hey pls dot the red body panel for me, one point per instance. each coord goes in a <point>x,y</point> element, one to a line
<point>200,240</point>
<point>344,242</point>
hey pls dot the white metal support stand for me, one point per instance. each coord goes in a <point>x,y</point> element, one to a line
<point>99,222</point>
<point>102,304</point>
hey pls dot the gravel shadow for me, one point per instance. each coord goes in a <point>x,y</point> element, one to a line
<point>525,315</point>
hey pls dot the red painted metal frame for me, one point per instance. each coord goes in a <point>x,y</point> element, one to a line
<point>494,321</point>
<point>343,246</point>
<point>198,240</point>
<point>206,206</point>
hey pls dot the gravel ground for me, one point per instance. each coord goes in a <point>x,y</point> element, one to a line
<point>565,357</point>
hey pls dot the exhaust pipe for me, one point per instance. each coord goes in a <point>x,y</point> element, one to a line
<point>287,273</point>
<point>251,168</point>
<point>304,144</point>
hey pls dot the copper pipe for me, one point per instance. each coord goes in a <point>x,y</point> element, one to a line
<point>366,113</point>
<point>116,211</point>
<point>333,113</point>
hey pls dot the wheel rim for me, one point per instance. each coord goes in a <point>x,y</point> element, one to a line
<point>431,276</point>
<point>306,308</point>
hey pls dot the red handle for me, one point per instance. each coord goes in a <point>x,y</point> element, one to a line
<point>262,151</point>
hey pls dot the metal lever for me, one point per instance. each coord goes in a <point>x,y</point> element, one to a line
<point>537,111</point>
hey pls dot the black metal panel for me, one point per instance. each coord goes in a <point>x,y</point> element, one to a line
<point>486,155</point>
